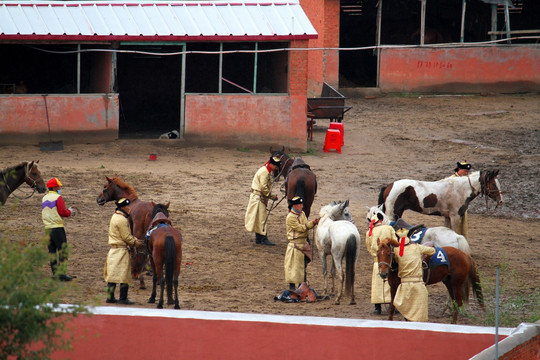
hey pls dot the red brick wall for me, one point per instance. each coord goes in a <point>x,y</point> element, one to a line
<point>323,64</point>
<point>460,69</point>
<point>247,120</point>
<point>527,351</point>
<point>72,118</point>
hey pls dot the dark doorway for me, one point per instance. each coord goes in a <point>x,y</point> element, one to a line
<point>149,83</point>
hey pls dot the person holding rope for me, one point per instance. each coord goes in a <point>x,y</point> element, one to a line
<point>53,212</point>
<point>380,290</point>
<point>118,264</point>
<point>462,169</point>
<point>298,253</point>
<point>261,191</point>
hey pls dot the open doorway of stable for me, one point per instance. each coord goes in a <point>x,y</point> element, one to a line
<point>148,81</point>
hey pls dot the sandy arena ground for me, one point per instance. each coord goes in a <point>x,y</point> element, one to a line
<point>386,139</point>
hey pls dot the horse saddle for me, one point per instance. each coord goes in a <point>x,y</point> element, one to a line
<point>299,163</point>
<point>160,218</point>
<point>439,258</point>
<point>411,229</point>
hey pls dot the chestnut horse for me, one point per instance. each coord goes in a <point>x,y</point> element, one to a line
<point>448,197</point>
<point>299,179</point>
<point>139,219</point>
<point>457,271</point>
<point>165,248</point>
<point>13,177</point>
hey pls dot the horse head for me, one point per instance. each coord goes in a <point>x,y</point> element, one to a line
<point>284,165</point>
<point>384,255</point>
<point>490,186</point>
<point>115,189</point>
<point>337,211</point>
<point>377,210</point>
<point>160,208</point>
<point>33,177</point>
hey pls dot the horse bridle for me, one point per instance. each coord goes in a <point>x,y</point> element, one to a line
<point>33,184</point>
<point>484,188</point>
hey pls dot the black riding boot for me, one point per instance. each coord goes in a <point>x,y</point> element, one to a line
<point>110,293</point>
<point>123,295</point>
<point>258,238</point>
<point>377,309</point>
<point>265,241</point>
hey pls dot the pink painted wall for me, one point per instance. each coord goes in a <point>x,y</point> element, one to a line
<point>243,336</point>
<point>247,120</point>
<point>500,69</point>
<point>72,118</point>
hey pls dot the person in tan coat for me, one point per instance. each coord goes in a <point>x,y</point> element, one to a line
<point>462,169</point>
<point>118,265</point>
<point>411,298</point>
<point>380,290</point>
<point>298,253</point>
<point>261,190</point>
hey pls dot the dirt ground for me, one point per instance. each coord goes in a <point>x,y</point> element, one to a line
<point>386,139</point>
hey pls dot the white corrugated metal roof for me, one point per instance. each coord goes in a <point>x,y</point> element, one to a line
<point>152,21</point>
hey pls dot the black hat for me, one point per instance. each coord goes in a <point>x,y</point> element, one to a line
<point>274,160</point>
<point>463,165</point>
<point>297,200</point>
<point>122,202</point>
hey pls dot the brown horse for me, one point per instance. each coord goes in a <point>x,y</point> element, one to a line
<point>13,177</point>
<point>165,248</point>
<point>139,219</point>
<point>299,179</point>
<point>458,272</point>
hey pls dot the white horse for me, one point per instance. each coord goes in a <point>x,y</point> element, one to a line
<point>439,236</point>
<point>337,235</point>
<point>448,197</point>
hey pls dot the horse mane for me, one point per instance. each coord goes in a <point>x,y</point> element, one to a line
<point>159,208</point>
<point>124,185</point>
<point>15,167</point>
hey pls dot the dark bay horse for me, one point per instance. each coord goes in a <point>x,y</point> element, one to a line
<point>13,177</point>
<point>456,276</point>
<point>448,197</point>
<point>299,179</point>
<point>165,248</point>
<point>139,219</point>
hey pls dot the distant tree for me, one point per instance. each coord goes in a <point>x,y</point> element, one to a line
<point>32,325</point>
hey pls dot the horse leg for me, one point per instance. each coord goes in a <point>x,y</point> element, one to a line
<point>152,299</point>
<point>454,289</point>
<point>341,278</point>
<point>162,287</point>
<point>333,276</point>
<point>324,272</point>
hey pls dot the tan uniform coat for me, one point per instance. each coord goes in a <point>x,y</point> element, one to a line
<point>412,296</point>
<point>256,210</point>
<point>118,264</point>
<point>298,228</point>
<point>380,290</point>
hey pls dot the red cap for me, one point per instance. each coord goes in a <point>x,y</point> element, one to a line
<point>54,182</point>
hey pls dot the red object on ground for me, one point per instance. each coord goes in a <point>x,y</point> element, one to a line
<point>332,140</point>
<point>339,126</point>
<point>153,157</point>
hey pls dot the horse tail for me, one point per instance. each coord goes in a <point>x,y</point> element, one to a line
<point>382,199</point>
<point>474,278</point>
<point>350,261</point>
<point>300,188</point>
<point>170,258</point>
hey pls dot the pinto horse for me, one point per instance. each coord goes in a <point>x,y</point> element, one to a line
<point>165,248</point>
<point>456,276</point>
<point>299,179</point>
<point>139,219</point>
<point>13,177</point>
<point>439,236</point>
<point>337,235</point>
<point>448,197</point>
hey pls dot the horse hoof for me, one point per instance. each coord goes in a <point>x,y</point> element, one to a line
<point>142,287</point>
<point>160,306</point>
<point>336,302</point>
<point>151,301</point>
<point>352,303</point>
<point>177,307</point>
